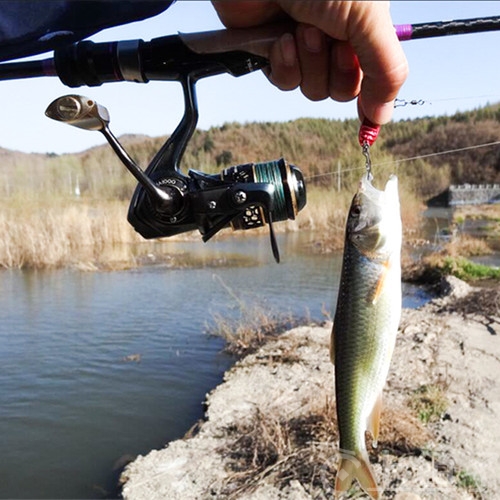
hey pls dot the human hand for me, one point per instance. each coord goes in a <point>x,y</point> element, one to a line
<point>339,49</point>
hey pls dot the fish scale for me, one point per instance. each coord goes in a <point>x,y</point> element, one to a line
<point>357,351</point>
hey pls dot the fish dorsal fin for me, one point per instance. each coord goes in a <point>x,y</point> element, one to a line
<point>374,420</point>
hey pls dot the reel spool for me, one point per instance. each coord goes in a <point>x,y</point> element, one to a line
<point>289,195</point>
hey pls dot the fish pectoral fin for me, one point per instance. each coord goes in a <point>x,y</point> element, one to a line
<point>374,420</point>
<point>379,287</point>
<point>332,345</point>
<point>355,467</point>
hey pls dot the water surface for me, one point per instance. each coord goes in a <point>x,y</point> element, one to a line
<point>72,410</point>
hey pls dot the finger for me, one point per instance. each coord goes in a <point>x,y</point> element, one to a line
<point>313,57</point>
<point>243,14</point>
<point>345,73</point>
<point>284,70</point>
<point>384,66</point>
<point>368,27</point>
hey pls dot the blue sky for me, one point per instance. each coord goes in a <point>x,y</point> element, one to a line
<point>450,73</point>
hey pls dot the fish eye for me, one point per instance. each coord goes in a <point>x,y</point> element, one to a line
<point>356,211</point>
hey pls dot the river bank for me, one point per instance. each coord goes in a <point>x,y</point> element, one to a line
<point>269,431</point>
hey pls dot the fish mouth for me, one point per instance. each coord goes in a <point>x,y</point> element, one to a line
<point>375,195</point>
<point>378,204</point>
<point>374,215</point>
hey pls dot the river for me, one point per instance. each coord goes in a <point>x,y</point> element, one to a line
<point>97,367</point>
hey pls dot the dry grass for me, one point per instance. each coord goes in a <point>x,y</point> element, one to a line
<point>325,215</point>
<point>52,232</point>
<point>488,212</point>
<point>464,245</point>
<point>253,327</point>
<point>305,448</point>
<point>60,234</point>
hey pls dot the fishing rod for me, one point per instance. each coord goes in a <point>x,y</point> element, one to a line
<point>255,41</point>
<point>444,28</point>
<point>166,201</point>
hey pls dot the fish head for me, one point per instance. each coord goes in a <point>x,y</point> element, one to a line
<point>374,220</point>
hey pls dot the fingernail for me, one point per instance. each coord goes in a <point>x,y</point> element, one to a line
<point>383,113</point>
<point>288,51</point>
<point>313,39</point>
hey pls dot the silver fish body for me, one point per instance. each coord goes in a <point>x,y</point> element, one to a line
<point>365,325</point>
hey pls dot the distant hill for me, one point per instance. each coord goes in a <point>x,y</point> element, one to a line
<point>462,131</point>
<point>320,147</point>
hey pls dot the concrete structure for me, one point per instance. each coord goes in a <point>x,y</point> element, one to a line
<point>467,194</point>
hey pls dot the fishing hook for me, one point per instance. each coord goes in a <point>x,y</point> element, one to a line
<point>368,163</point>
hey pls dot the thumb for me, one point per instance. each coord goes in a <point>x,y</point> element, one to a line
<point>382,61</point>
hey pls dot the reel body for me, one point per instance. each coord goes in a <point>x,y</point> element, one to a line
<point>243,197</point>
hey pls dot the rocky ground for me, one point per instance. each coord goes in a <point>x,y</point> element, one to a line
<point>270,429</point>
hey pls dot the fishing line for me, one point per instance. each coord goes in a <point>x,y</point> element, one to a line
<point>464,97</point>
<point>449,151</point>
<point>402,160</point>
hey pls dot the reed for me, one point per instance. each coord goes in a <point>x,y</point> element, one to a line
<point>61,233</point>
<point>49,232</point>
<point>252,327</point>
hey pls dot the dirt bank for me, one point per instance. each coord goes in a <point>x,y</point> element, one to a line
<point>270,432</point>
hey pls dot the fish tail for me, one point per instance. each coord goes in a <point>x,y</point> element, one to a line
<point>355,467</point>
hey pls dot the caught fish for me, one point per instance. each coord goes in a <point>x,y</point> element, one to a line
<point>365,325</point>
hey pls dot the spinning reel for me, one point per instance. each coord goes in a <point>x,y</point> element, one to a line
<point>166,201</point>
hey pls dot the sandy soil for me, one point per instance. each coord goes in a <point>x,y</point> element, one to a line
<point>444,345</point>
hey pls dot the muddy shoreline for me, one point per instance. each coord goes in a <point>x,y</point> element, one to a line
<point>268,432</point>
